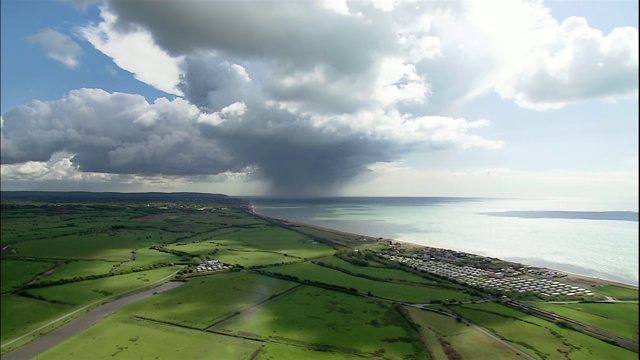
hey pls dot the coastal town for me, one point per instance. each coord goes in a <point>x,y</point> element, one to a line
<point>486,273</point>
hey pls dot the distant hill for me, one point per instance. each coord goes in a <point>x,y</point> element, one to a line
<point>106,197</point>
<point>585,215</point>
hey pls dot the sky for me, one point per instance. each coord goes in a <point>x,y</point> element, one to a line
<point>524,99</point>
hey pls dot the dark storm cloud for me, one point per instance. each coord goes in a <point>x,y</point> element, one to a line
<point>298,34</point>
<point>305,97</point>
<point>212,83</point>
<point>123,134</point>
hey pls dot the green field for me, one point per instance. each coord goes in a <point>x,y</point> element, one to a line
<point>75,268</point>
<point>392,291</point>
<point>539,338</point>
<point>258,309</point>
<point>145,257</point>
<point>322,319</point>
<point>251,258</point>
<point>278,239</point>
<point>86,292</point>
<point>618,311</point>
<point>376,272</point>
<point>444,335</point>
<point>120,337</point>
<point>15,273</point>
<point>618,292</point>
<point>276,351</point>
<point>203,300</point>
<point>21,315</point>
<point>619,319</point>
<point>195,248</point>
<point>114,245</point>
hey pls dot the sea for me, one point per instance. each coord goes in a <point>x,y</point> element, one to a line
<point>591,239</point>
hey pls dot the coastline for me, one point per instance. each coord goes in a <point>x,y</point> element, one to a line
<point>571,278</point>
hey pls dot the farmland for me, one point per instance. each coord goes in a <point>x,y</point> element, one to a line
<point>617,318</point>
<point>540,338</point>
<point>321,319</point>
<point>16,273</point>
<point>446,337</point>
<point>285,292</point>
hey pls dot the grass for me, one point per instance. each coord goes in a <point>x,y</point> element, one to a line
<point>622,321</point>
<point>275,351</point>
<point>278,239</point>
<point>539,338</point>
<point>21,315</point>
<point>321,319</point>
<point>208,235</point>
<point>81,268</point>
<point>378,272</point>
<point>114,245</point>
<point>305,322</point>
<point>85,292</point>
<point>195,248</point>
<point>618,292</point>
<point>443,335</point>
<point>15,273</point>
<point>120,337</point>
<point>146,257</point>
<point>43,223</point>
<point>206,299</point>
<point>618,311</point>
<point>399,292</point>
<point>251,258</point>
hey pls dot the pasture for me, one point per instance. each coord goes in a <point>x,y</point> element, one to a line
<point>377,272</point>
<point>111,245</point>
<point>444,335</point>
<point>391,291</point>
<point>618,311</point>
<point>539,338</point>
<point>241,314</point>
<point>88,291</point>
<point>145,257</point>
<point>15,273</point>
<point>195,248</point>
<point>322,319</point>
<point>277,351</point>
<point>121,337</point>
<point>72,269</point>
<point>619,319</point>
<point>251,258</point>
<point>206,299</point>
<point>618,292</point>
<point>21,315</point>
<point>278,239</point>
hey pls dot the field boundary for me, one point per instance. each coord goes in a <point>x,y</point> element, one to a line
<point>237,313</point>
<point>96,303</point>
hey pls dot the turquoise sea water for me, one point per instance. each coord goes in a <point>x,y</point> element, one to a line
<point>596,240</point>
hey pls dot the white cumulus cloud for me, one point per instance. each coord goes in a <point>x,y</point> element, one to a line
<point>58,46</point>
<point>136,52</point>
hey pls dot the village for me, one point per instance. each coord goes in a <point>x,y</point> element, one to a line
<point>211,265</point>
<point>487,273</point>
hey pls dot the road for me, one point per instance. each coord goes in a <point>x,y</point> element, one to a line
<point>78,324</point>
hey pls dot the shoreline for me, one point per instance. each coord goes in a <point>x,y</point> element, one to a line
<point>570,277</point>
<point>579,277</point>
